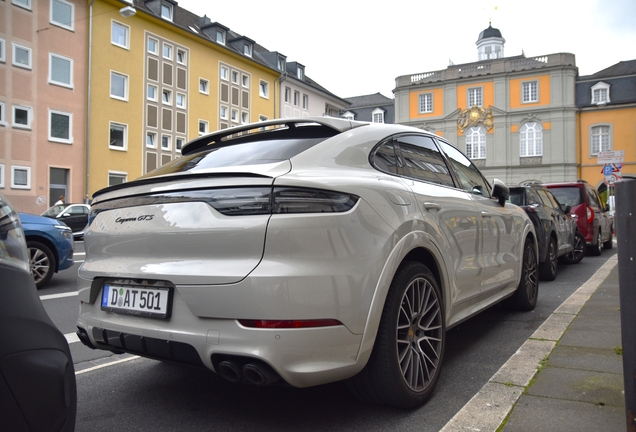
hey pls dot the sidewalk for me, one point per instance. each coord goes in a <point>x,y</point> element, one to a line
<point>568,376</point>
<point>580,386</point>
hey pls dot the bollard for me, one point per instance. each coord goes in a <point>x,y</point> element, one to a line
<point>625,224</point>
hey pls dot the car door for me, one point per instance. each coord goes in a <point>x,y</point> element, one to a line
<point>450,214</point>
<point>75,216</point>
<point>500,234</point>
<point>604,222</point>
<point>562,223</point>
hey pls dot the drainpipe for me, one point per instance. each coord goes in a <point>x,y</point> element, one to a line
<point>88,100</point>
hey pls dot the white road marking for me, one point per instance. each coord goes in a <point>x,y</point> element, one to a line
<point>106,365</point>
<point>71,338</point>
<point>492,403</point>
<point>60,295</point>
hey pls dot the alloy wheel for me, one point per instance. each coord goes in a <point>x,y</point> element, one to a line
<point>40,264</point>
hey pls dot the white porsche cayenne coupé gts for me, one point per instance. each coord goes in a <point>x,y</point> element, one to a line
<point>305,251</point>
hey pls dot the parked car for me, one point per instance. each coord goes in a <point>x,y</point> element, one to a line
<point>37,378</point>
<point>556,229</point>
<point>594,220</point>
<point>305,251</point>
<point>51,245</point>
<point>73,215</point>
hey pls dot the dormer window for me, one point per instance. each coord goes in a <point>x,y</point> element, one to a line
<point>281,64</point>
<point>166,11</point>
<point>247,49</point>
<point>220,37</point>
<point>300,73</point>
<point>348,116</point>
<point>600,93</point>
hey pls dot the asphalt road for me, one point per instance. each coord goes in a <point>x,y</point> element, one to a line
<point>140,394</point>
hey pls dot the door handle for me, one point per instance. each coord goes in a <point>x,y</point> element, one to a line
<point>485,213</point>
<point>432,206</point>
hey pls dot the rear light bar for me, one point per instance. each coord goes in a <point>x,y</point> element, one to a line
<point>590,215</point>
<point>285,324</point>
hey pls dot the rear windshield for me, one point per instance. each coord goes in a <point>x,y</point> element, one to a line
<point>246,153</point>
<point>571,196</point>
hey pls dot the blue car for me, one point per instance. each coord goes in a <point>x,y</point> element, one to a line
<point>51,246</point>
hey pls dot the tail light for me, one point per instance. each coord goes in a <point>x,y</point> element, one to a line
<point>590,215</point>
<point>283,324</point>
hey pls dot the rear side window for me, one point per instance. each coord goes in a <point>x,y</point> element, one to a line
<point>571,196</point>
<point>468,174</point>
<point>423,160</point>
<point>593,198</point>
<point>385,158</point>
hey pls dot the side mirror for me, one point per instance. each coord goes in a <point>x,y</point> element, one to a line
<point>566,208</point>
<point>500,191</point>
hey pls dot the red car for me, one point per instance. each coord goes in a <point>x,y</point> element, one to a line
<point>593,216</point>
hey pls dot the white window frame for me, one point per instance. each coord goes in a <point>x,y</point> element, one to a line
<point>296,98</point>
<point>247,49</point>
<point>15,168</point>
<point>168,93</point>
<point>168,139</point>
<point>378,114</point>
<point>206,84</point>
<point>475,94</point>
<point>205,125</point>
<point>178,147</point>
<point>156,42</point>
<point>600,131</point>
<point>70,25</point>
<point>426,103</point>
<point>287,94</point>
<point>1,175</point>
<point>29,111</point>
<point>531,139</point>
<point>235,77</point>
<point>245,81</point>
<point>234,115</point>
<point>125,77</point>
<point>225,73</point>
<point>153,139</point>
<point>29,56</point>
<point>3,50</point>
<point>263,89</point>
<point>475,142</point>
<point>26,4</point>
<point>305,101</point>
<point>169,9</point>
<point>530,91</point>
<point>184,56</point>
<point>3,114</point>
<point>154,89</point>
<point>124,139</point>
<point>182,103</point>
<point>125,28</point>
<point>220,37</point>
<point>245,117</point>
<point>170,50</point>
<point>70,74</point>
<point>598,89</point>
<point>223,112</point>
<point>349,116</point>
<point>120,174</point>
<point>68,140</point>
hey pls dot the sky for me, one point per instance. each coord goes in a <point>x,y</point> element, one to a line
<point>355,48</point>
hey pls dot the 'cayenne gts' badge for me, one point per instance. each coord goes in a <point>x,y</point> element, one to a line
<point>140,218</point>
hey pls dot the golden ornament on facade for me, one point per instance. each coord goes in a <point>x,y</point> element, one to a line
<point>474,116</point>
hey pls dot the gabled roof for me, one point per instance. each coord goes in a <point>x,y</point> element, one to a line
<point>371,100</point>
<point>622,68</point>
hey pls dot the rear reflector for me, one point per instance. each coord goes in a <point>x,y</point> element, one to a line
<point>283,324</point>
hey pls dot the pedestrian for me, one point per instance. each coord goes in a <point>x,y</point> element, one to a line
<point>60,201</point>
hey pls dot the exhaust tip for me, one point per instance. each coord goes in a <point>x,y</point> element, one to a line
<point>259,374</point>
<point>230,371</point>
<point>82,335</point>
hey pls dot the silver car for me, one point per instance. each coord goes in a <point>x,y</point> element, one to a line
<point>305,251</point>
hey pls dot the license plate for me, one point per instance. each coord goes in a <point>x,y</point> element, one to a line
<point>137,300</point>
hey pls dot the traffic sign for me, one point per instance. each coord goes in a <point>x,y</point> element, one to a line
<point>611,168</point>
<point>613,157</point>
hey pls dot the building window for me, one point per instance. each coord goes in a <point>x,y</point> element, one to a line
<point>247,49</point>
<point>204,86</point>
<point>22,117</point>
<point>300,73</point>
<point>152,93</point>
<point>1,175</point>
<point>223,112</point>
<point>287,94</point>
<point>245,118</point>
<point>476,143</point>
<point>181,100</point>
<point>22,3</point>
<point>246,81</point>
<point>220,37</point>
<point>117,139</point>
<point>20,177</point>
<point>181,56</point>
<point>178,145</point>
<point>235,77</point>
<point>377,116</point>
<point>165,142</point>
<point>116,178</point>
<point>426,103</point>
<point>234,117</point>
<point>263,89</point>
<point>530,91</point>
<point>62,13</point>
<point>3,119</point>
<point>60,127</point>
<point>296,98</point>
<point>281,64</point>
<point>118,86</point>
<point>151,139</point>
<point>21,56</point>
<point>225,73</point>
<point>166,97</point>
<point>152,46</point>
<point>474,97</point>
<point>2,50</point>
<point>349,116</point>
<point>531,139</point>
<point>203,127</point>
<point>167,51</point>
<point>166,11</point>
<point>119,34</point>
<point>600,93</point>
<point>305,101</point>
<point>600,139</point>
<point>60,70</point>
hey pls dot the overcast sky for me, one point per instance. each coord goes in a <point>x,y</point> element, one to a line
<point>354,48</point>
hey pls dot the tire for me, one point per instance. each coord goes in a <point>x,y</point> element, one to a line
<point>548,268</point>
<point>580,249</point>
<point>598,247</point>
<point>525,296</point>
<point>406,360</point>
<point>42,262</point>
<point>609,243</point>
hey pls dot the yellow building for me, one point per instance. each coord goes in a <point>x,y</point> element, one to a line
<point>160,76</point>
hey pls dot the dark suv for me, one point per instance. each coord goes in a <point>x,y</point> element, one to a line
<point>556,229</point>
<point>594,220</point>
